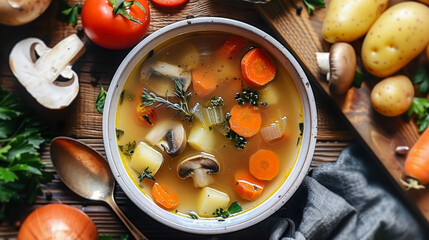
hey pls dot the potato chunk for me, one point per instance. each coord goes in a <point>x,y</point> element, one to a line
<point>211,199</point>
<point>145,156</point>
<point>201,138</point>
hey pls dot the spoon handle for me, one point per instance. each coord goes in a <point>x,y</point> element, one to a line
<point>134,231</point>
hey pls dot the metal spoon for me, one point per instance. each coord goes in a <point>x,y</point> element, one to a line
<point>87,173</point>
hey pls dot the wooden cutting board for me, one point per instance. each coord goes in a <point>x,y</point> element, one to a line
<point>301,34</point>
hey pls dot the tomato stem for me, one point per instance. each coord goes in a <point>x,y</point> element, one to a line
<point>121,6</point>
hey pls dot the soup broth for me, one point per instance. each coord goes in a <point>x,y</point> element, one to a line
<point>187,53</point>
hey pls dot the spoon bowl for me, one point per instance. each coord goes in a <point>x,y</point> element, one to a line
<point>85,172</point>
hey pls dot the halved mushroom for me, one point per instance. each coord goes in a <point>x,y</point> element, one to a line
<point>159,77</point>
<point>19,12</point>
<point>339,65</point>
<point>199,167</point>
<point>169,136</point>
<point>39,75</point>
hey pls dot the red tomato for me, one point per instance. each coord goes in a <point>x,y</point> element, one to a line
<point>169,3</point>
<point>114,31</point>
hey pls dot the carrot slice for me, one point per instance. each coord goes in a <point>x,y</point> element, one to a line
<point>257,67</point>
<point>264,164</point>
<point>146,116</point>
<point>203,82</point>
<point>164,196</point>
<point>247,186</point>
<point>245,120</point>
<point>231,47</point>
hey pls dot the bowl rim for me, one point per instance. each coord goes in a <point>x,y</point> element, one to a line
<point>268,206</point>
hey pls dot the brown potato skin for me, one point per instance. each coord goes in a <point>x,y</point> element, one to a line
<point>392,96</point>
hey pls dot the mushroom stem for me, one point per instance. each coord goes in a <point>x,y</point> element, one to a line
<point>323,61</point>
<point>201,178</point>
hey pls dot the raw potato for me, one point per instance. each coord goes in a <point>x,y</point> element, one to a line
<point>392,96</point>
<point>348,20</point>
<point>399,35</point>
<point>211,199</point>
<point>201,138</point>
<point>145,156</point>
<point>269,94</point>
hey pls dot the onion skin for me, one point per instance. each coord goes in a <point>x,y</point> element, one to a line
<point>57,221</point>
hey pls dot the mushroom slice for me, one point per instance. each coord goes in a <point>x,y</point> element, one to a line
<point>39,76</point>
<point>159,77</point>
<point>199,167</point>
<point>19,12</point>
<point>169,136</point>
<point>339,65</point>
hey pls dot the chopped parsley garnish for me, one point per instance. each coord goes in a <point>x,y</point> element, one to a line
<point>121,97</point>
<point>119,133</point>
<point>250,97</point>
<point>193,215</point>
<point>301,128</point>
<point>239,141</point>
<point>146,174</point>
<point>233,208</point>
<point>129,148</point>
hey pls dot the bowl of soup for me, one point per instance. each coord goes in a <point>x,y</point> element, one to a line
<point>209,125</point>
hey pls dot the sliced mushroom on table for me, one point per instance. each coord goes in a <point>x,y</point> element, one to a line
<point>200,167</point>
<point>39,75</point>
<point>169,136</point>
<point>159,77</point>
<point>339,65</point>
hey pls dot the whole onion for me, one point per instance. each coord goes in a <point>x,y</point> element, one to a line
<point>57,221</point>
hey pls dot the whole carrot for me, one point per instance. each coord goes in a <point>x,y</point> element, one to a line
<point>417,163</point>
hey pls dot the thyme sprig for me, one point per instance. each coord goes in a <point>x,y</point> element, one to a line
<point>149,98</point>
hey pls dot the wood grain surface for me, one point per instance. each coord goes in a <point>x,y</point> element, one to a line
<point>301,33</point>
<point>82,121</point>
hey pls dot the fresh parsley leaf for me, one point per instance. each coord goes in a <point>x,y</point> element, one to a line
<point>232,209</point>
<point>101,98</point>
<point>311,5</point>
<point>68,13</point>
<point>235,208</point>
<point>419,108</point>
<point>21,169</point>
<point>146,174</point>
<point>7,175</point>
<point>421,78</point>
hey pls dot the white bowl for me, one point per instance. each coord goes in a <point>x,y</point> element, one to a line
<point>282,194</point>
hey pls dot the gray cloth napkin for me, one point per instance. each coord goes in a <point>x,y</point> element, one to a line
<point>340,200</point>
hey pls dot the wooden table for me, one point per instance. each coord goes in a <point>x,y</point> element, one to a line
<point>82,121</point>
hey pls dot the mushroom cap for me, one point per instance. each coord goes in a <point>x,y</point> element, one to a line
<point>169,136</point>
<point>19,12</point>
<point>205,161</point>
<point>342,61</point>
<point>159,77</point>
